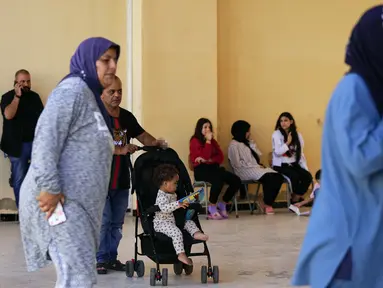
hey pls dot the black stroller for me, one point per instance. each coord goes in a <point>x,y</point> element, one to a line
<point>157,246</point>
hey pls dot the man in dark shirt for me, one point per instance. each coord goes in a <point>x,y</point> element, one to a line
<point>21,108</point>
<point>125,127</point>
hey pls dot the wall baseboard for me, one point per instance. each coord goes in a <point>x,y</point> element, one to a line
<point>241,207</point>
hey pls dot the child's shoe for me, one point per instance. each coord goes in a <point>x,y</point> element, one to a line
<point>213,213</point>
<point>221,206</point>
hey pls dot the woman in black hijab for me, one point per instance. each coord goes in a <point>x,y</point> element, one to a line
<point>244,157</point>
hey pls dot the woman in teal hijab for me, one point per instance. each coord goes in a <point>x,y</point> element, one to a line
<point>344,242</point>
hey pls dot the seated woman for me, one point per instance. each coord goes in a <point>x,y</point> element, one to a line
<point>244,157</point>
<point>206,157</point>
<point>288,157</point>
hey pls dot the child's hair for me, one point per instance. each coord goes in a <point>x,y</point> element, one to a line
<point>164,172</point>
<point>317,175</point>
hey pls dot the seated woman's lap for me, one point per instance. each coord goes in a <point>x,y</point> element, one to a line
<point>217,176</point>
<point>207,173</point>
<point>299,177</point>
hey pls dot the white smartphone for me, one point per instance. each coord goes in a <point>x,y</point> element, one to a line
<point>58,216</point>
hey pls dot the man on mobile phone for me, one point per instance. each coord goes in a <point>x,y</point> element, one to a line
<point>21,108</point>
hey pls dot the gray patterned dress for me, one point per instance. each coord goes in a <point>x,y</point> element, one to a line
<point>72,154</point>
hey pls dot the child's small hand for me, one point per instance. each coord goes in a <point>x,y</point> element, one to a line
<point>299,205</point>
<point>183,205</point>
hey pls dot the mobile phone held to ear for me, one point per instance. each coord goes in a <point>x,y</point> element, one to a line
<point>21,89</point>
<point>58,216</point>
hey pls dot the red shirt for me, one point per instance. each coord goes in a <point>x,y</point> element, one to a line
<point>206,151</point>
<point>117,158</point>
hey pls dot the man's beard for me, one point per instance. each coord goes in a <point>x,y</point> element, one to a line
<point>26,89</point>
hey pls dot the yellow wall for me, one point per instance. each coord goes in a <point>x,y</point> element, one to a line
<point>221,59</point>
<point>179,68</point>
<point>276,56</point>
<point>41,36</point>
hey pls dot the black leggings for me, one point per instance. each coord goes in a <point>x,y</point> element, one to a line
<point>217,176</point>
<point>271,184</point>
<point>300,178</point>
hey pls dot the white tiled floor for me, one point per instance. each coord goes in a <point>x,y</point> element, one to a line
<point>252,251</point>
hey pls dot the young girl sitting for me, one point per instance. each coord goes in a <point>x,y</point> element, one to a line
<point>166,178</point>
<point>313,194</point>
<point>207,158</point>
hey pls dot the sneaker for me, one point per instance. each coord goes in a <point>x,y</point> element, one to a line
<point>102,268</point>
<point>116,266</point>
<point>221,207</point>
<point>213,213</point>
<point>269,210</point>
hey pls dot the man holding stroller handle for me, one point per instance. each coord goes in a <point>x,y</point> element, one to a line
<point>125,127</point>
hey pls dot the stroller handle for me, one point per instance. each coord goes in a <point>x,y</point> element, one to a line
<point>149,148</point>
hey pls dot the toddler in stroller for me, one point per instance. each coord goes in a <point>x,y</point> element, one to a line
<point>167,236</point>
<point>166,178</point>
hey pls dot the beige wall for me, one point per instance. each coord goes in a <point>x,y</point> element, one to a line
<point>281,57</point>
<point>179,68</point>
<point>41,36</point>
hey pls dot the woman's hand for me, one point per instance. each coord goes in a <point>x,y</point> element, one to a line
<point>200,160</point>
<point>209,135</point>
<point>289,139</point>
<point>48,202</point>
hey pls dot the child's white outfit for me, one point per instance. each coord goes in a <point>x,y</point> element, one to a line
<point>315,190</point>
<point>164,221</point>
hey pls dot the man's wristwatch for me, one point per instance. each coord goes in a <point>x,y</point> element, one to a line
<point>17,96</point>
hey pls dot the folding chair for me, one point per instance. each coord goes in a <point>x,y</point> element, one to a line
<point>205,186</point>
<point>289,189</point>
<point>245,183</point>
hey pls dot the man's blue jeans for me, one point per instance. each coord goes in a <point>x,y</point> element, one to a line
<point>19,168</point>
<point>112,222</point>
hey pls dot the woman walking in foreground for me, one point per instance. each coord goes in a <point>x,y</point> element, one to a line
<point>71,162</point>
<point>343,246</point>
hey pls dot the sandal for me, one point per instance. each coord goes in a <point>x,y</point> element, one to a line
<point>215,216</point>
<point>102,268</point>
<point>221,208</point>
<point>116,265</point>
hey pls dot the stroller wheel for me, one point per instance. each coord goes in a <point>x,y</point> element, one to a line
<point>153,278</point>
<point>215,274</point>
<point>203,274</point>
<point>165,277</point>
<point>129,269</point>
<point>188,268</point>
<point>178,268</point>
<point>140,268</point>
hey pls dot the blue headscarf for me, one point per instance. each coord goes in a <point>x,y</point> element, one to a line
<point>365,52</point>
<point>83,64</point>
